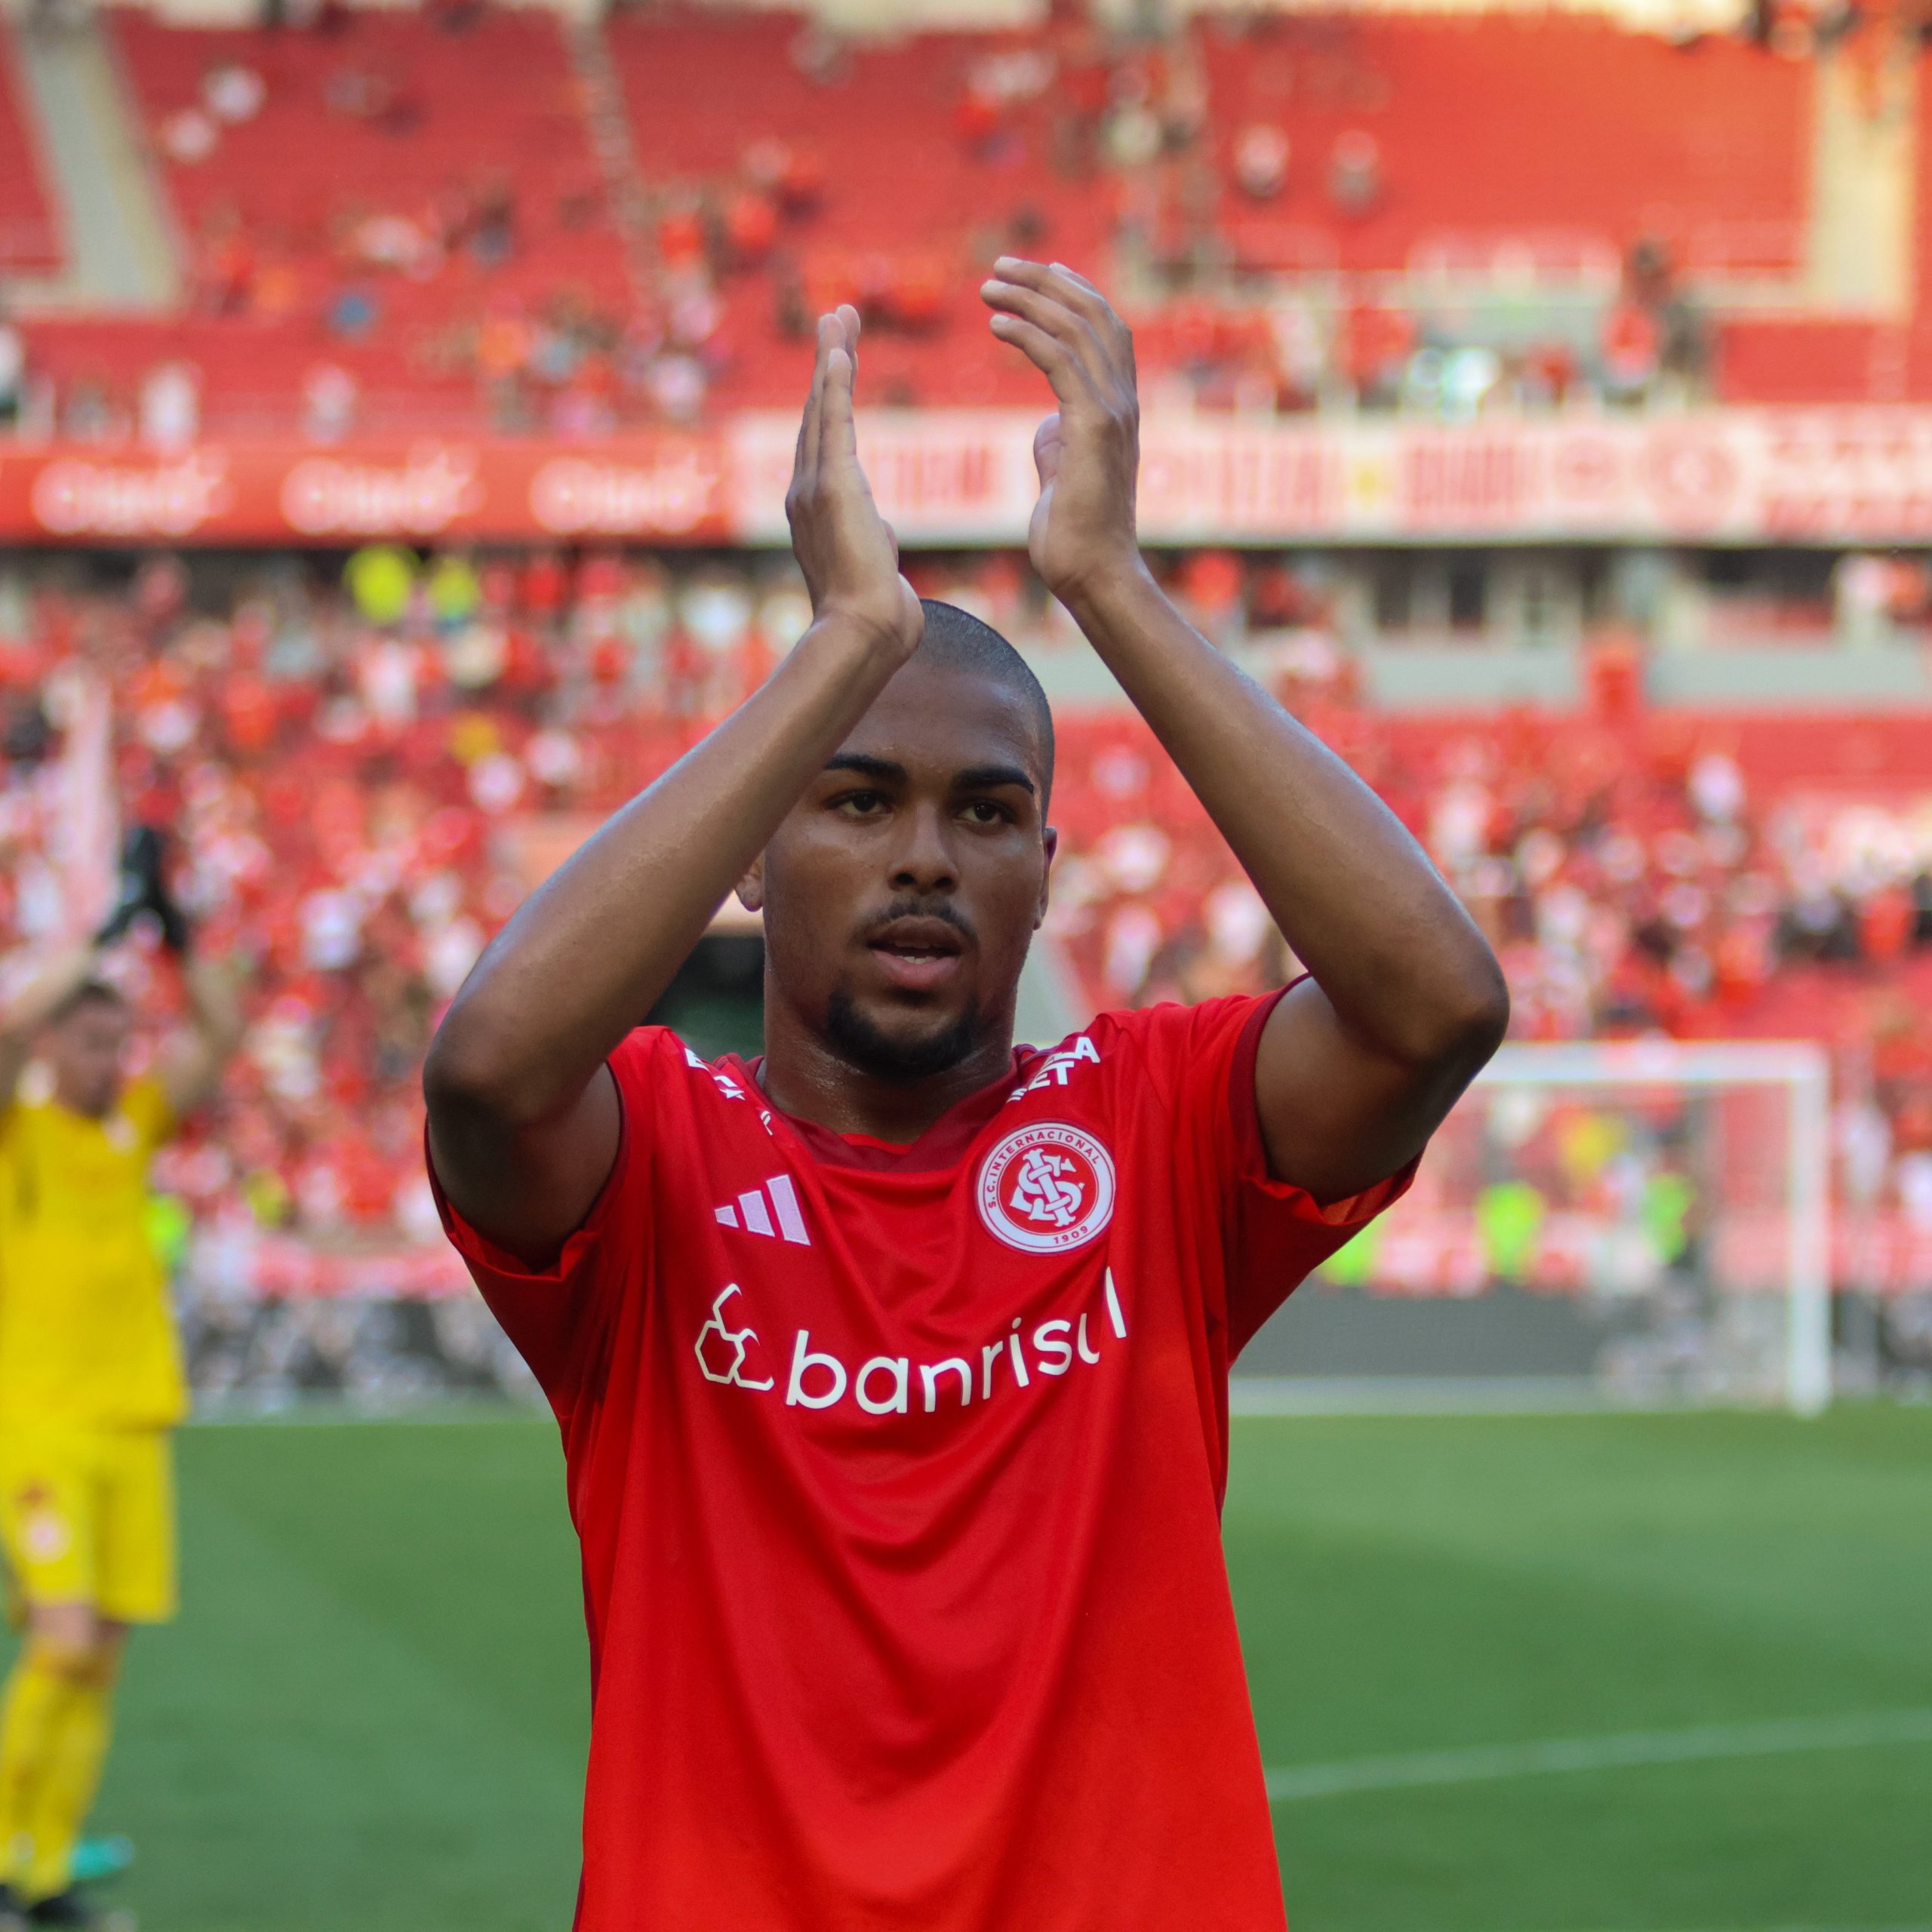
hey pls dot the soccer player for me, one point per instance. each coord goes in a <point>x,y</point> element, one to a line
<point>891,1368</point>
<point>90,1384</point>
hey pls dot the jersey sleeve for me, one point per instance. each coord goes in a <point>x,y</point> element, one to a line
<point>560,1317</point>
<point>1273,1233</point>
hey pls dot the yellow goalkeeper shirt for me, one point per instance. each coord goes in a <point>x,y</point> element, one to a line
<point>87,1336</point>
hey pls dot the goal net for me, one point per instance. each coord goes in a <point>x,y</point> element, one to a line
<point>1636,1223</point>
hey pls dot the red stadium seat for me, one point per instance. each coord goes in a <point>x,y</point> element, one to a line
<point>1498,126</point>
<point>343,215</point>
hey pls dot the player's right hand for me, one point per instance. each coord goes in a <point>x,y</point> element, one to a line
<point>845,548</point>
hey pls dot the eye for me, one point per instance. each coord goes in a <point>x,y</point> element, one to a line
<point>860,804</point>
<point>989,812</point>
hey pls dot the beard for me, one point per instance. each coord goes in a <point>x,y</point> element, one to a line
<point>861,1042</point>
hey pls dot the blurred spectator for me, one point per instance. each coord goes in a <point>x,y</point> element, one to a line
<point>1376,340</point>
<point>170,406</point>
<point>90,413</point>
<point>352,313</point>
<point>329,398</point>
<point>234,93</point>
<point>225,266</point>
<point>13,372</point>
<point>493,223</point>
<point>189,136</point>
<point>1632,346</point>
<point>1355,173</point>
<point>1261,162</point>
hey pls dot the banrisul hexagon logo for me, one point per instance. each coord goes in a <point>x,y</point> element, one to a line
<point>731,1355</point>
<point>1046,1188</point>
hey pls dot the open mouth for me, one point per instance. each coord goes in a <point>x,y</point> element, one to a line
<point>918,939</point>
<point>918,954</point>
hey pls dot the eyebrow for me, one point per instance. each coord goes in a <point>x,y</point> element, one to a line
<point>974,778</point>
<point>884,768</point>
<point>984,777</point>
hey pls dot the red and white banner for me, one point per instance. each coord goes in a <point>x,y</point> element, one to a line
<point>1851,476</point>
<point>661,488</point>
<point>960,477</point>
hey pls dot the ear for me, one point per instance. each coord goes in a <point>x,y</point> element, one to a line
<point>751,888</point>
<point>1050,839</point>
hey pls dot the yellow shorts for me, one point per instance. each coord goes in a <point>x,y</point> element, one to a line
<point>87,1516</point>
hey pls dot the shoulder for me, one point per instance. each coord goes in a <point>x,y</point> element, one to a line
<point>1173,1037</point>
<point>644,1054</point>
<point>652,1066</point>
<point>145,1103</point>
<point>1150,1060</point>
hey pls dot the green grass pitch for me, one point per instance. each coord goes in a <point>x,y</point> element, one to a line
<point>370,1716</point>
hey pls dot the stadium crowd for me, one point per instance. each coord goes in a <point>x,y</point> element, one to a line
<point>513,233</point>
<point>364,767</point>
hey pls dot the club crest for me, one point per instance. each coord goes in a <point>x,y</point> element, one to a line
<point>1046,1188</point>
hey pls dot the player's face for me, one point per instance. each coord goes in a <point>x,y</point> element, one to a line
<point>84,1051</point>
<point>901,893</point>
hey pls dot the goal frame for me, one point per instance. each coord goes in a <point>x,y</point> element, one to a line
<point>1802,1070</point>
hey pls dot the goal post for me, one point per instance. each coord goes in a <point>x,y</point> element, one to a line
<point>1797,1069</point>
<point>1629,1222</point>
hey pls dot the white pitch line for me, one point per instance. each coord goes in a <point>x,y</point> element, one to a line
<point>1696,1744</point>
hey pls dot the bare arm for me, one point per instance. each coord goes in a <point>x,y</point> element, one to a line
<point>523,1112</point>
<point>191,1063</point>
<point>1404,1001</point>
<point>34,1004</point>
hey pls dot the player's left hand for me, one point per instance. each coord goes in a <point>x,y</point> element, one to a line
<point>847,550</point>
<point>1088,451</point>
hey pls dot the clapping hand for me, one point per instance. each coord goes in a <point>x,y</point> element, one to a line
<point>1087,452</point>
<point>845,548</point>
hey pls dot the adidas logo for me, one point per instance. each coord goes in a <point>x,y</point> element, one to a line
<point>756,1208</point>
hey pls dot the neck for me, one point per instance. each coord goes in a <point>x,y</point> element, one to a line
<point>803,1077</point>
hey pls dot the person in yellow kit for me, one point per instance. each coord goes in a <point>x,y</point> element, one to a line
<point>90,1384</point>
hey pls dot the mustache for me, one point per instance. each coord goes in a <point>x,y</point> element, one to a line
<point>910,906</point>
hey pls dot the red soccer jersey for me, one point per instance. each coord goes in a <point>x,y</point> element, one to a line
<point>898,1475</point>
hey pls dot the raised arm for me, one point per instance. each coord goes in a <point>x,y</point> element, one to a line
<point>523,1112</point>
<point>1404,1001</point>
<point>34,1004</point>
<point>191,1063</point>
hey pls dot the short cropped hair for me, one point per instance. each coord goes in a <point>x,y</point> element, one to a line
<point>959,640</point>
<point>89,993</point>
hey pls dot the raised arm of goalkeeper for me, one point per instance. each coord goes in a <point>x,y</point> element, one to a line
<point>45,990</point>
<point>191,1060</point>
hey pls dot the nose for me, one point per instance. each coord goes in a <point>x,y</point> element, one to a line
<point>923,862</point>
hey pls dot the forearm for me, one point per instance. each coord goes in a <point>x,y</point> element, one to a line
<point>590,952</point>
<point>1401,962</point>
<point>1353,1072</point>
<point>36,1002</point>
<point>214,1005</point>
<point>56,976</point>
<point>192,1062</point>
